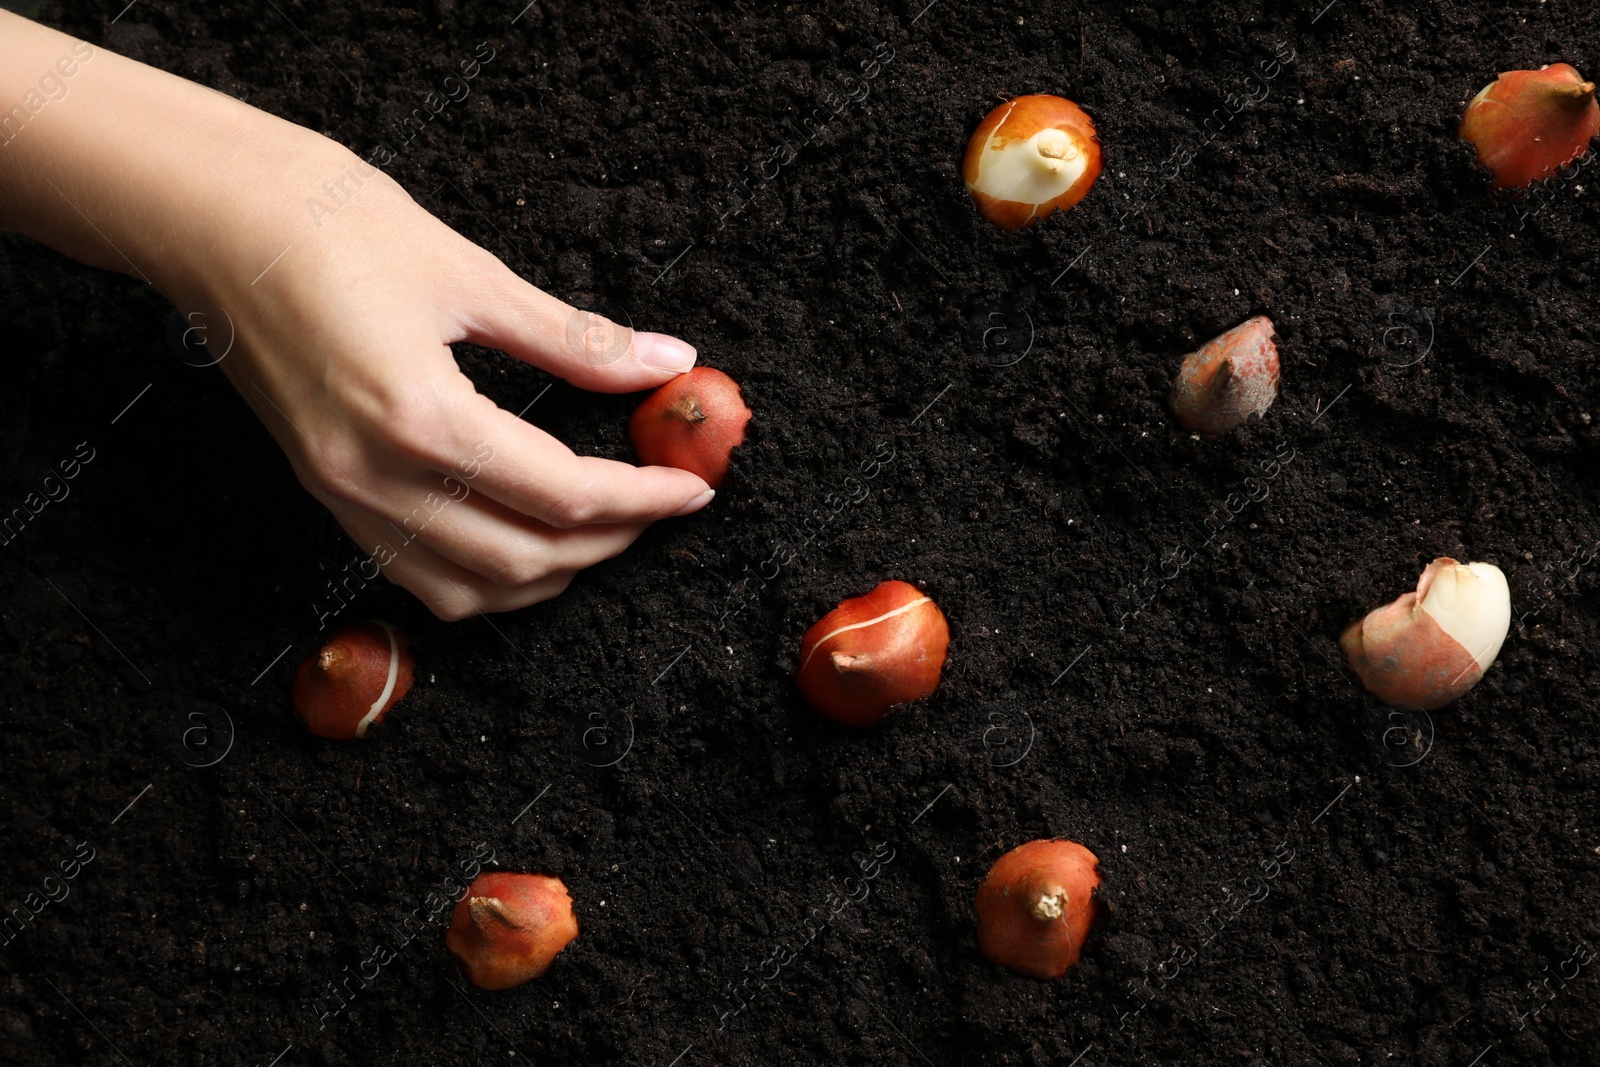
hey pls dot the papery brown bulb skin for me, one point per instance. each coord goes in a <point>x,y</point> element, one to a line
<point>1527,123</point>
<point>873,652</point>
<point>510,927</point>
<point>1036,907</point>
<point>693,423</point>
<point>1029,157</point>
<point>353,680</point>
<point>1228,379</point>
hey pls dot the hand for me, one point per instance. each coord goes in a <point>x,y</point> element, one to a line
<point>343,352</point>
<point>344,296</point>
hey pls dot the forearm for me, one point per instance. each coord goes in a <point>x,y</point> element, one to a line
<point>132,169</point>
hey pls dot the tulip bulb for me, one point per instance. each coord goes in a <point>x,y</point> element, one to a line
<point>1036,906</point>
<point>1029,157</point>
<point>1227,379</point>
<point>1429,647</point>
<point>694,423</point>
<point>352,681</point>
<point>873,652</point>
<point>509,928</point>
<point>1526,123</point>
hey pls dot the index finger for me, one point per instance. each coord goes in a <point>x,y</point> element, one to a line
<point>585,348</point>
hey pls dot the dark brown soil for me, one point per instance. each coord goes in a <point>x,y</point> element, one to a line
<point>1291,876</point>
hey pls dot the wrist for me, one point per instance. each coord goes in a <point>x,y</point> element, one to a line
<point>251,192</point>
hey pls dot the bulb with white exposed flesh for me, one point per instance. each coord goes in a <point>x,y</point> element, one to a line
<point>1429,647</point>
<point>1030,156</point>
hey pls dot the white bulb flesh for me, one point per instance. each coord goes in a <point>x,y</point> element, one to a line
<point>1034,170</point>
<point>1472,605</point>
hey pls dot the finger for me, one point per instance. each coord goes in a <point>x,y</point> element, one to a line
<point>447,589</point>
<point>477,447</point>
<point>534,474</point>
<point>586,349</point>
<point>490,540</point>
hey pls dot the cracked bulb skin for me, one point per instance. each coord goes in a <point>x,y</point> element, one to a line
<point>694,423</point>
<point>510,927</point>
<point>873,652</point>
<point>1428,647</point>
<point>1528,123</point>
<point>1028,157</point>
<point>1228,379</point>
<point>1036,907</point>
<point>353,680</point>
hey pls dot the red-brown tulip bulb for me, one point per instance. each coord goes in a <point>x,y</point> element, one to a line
<point>1527,123</point>
<point>1036,907</point>
<point>353,680</point>
<point>873,652</point>
<point>509,928</point>
<point>694,422</point>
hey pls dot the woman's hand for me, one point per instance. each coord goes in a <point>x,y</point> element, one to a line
<point>343,297</point>
<point>342,349</point>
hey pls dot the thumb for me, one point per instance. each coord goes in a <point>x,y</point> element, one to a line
<point>586,349</point>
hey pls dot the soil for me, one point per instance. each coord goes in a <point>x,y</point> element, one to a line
<point>1292,874</point>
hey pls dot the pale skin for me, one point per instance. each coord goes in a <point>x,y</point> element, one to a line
<point>341,347</point>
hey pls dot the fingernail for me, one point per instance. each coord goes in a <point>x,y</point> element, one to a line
<point>662,352</point>
<point>696,504</point>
